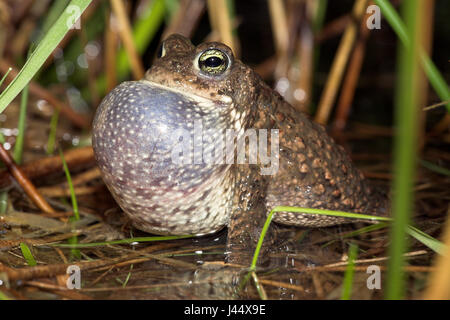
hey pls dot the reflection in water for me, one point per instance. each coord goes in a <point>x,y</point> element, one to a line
<point>197,271</point>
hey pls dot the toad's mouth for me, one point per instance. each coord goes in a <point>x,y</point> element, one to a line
<point>201,100</point>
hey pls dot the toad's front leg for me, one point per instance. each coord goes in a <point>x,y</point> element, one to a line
<point>248,217</point>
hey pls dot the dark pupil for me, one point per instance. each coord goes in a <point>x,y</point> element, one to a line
<point>213,62</point>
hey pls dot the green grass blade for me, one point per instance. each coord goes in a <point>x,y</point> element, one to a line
<point>432,244</point>
<point>54,12</point>
<point>128,277</point>
<point>73,197</point>
<point>372,227</point>
<point>2,138</point>
<point>300,210</point>
<point>416,233</point>
<point>74,252</point>
<point>261,240</point>
<point>40,54</point>
<point>171,8</point>
<point>3,202</point>
<point>144,30</point>
<point>394,20</point>
<point>406,119</point>
<point>26,252</point>
<point>121,241</point>
<point>436,79</point>
<point>309,211</point>
<point>332,213</point>
<point>3,194</point>
<point>18,147</point>
<point>3,296</point>
<point>262,294</point>
<point>52,134</point>
<point>4,77</point>
<point>434,76</point>
<point>349,272</point>
<point>76,215</point>
<point>363,230</point>
<point>435,168</point>
<point>320,15</point>
<point>426,239</point>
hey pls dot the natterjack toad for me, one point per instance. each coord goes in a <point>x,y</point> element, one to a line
<point>202,143</point>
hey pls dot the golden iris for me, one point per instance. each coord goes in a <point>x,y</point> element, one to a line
<point>213,62</point>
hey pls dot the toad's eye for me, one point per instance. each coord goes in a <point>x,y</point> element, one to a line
<point>213,62</point>
<point>161,51</point>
